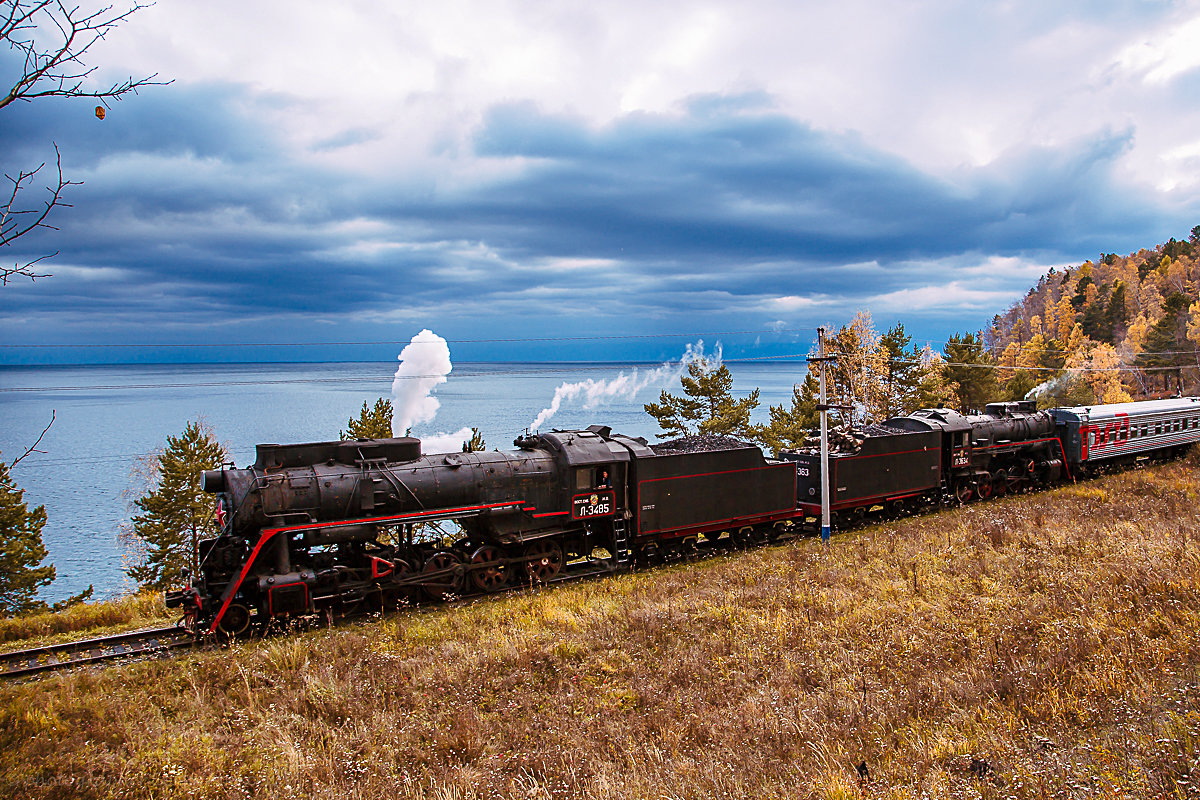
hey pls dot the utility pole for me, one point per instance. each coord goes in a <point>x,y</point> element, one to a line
<point>824,441</point>
<point>823,407</point>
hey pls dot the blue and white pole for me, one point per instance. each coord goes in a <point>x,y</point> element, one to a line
<point>824,442</point>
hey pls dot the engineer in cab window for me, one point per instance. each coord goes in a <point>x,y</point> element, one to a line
<point>603,481</point>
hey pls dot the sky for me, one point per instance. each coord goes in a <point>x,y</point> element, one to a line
<point>584,181</point>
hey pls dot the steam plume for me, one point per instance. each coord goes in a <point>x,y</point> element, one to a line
<point>624,386</point>
<point>424,364</point>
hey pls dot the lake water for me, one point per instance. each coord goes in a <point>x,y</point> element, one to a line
<point>108,418</point>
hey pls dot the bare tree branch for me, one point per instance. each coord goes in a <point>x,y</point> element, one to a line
<point>53,39</point>
<point>16,222</point>
<point>57,70</point>
<point>33,447</point>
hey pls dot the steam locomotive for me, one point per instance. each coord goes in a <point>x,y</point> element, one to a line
<point>367,524</point>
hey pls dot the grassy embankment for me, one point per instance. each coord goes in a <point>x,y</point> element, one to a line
<point>138,611</point>
<point>1038,646</point>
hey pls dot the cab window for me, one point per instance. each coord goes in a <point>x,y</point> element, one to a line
<point>584,479</point>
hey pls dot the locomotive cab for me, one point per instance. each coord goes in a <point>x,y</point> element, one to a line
<point>593,469</point>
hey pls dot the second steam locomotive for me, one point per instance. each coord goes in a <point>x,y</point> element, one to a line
<point>340,526</point>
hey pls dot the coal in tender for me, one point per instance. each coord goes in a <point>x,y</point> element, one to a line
<point>700,443</point>
<point>845,439</point>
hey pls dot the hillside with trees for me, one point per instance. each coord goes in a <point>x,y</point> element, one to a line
<point>1116,329</point>
<point>1110,330</point>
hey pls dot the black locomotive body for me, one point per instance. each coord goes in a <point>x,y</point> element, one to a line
<point>336,525</point>
<point>891,467</point>
<point>933,454</point>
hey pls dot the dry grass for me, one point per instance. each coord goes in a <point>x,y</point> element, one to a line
<point>106,616</point>
<point>1038,646</point>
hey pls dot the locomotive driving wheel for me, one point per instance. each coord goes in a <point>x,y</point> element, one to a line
<point>488,572</point>
<point>236,620</point>
<point>444,579</point>
<point>543,560</point>
<point>963,492</point>
<point>983,488</point>
<point>405,593</point>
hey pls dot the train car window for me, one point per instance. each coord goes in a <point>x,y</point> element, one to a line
<point>584,479</point>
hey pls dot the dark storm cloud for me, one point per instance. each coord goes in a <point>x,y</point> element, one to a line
<point>192,213</point>
<point>730,188</point>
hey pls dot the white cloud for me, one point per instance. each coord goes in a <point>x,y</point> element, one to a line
<point>942,296</point>
<point>940,83</point>
<point>1165,54</point>
<point>798,303</point>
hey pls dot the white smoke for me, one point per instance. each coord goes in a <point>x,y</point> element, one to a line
<point>445,442</point>
<point>424,364</point>
<point>1051,386</point>
<point>624,386</point>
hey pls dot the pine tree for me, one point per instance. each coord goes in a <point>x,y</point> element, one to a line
<point>372,423</point>
<point>790,427</point>
<point>177,512</point>
<point>902,374</point>
<point>970,371</point>
<point>21,550</point>
<point>709,406</point>
<point>1164,349</point>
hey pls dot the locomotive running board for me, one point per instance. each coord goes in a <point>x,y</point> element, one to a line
<point>433,515</point>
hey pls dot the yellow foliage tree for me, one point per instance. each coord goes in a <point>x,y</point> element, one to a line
<point>1007,363</point>
<point>1137,333</point>
<point>858,372</point>
<point>1075,340</point>
<point>1177,276</point>
<point>1193,323</point>
<point>1099,365</point>
<point>1049,314</point>
<point>1065,317</point>
<point>1032,353</point>
<point>1151,301</point>
<point>1035,326</point>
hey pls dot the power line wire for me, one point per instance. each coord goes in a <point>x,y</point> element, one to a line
<point>515,340</point>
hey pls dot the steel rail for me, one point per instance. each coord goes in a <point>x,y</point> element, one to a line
<point>54,657</point>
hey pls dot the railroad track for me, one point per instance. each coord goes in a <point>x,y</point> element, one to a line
<point>53,657</point>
